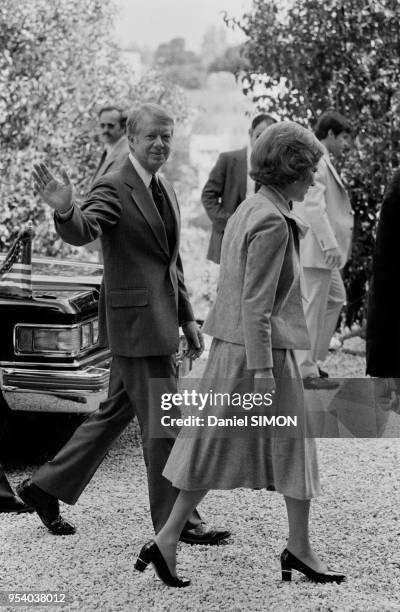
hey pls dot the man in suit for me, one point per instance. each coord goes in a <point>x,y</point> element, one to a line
<point>229,184</point>
<point>143,302</point>
<point>9,502</point>
<point>325,248</point>
<point>112,121</point>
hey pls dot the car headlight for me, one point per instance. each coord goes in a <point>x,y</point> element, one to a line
<point>69,341</point>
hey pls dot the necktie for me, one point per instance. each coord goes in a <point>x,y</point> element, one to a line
<point>164,210</point>
<point>257,186</point>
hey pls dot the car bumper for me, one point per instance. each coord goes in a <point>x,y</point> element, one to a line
<point>37,390</point>
<point>78,390</point>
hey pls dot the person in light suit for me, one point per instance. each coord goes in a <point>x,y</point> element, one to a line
<point>112,125</point>
<point>256,323</point>
<point>112,122</point>
<point>143,301</point>
<point>325,249</point>
<point>229,184</point>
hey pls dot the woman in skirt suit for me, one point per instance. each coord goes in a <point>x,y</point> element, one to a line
<point>256,323</point>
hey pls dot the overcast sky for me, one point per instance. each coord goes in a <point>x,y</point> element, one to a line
<point>151,22</point>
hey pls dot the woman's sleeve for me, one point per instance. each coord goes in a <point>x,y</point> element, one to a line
<point>265,255</point>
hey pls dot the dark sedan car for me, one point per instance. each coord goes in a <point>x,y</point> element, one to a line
<point>50,359</point>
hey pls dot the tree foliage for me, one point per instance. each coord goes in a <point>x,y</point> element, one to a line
<point>180,66</point>
<point>231,60</point>
<point>58,65</point>
<point>214,43</point>
<point>343,54</point>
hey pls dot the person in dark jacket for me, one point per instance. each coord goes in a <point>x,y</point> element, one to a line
<point>143,301</point>
<point>229,184</point>
<point>383,317</point>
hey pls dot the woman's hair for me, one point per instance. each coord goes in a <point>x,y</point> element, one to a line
<point>283,154</point>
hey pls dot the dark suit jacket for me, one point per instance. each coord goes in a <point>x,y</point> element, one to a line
<point>383,317</point>
<point>143,297</point>
<point>224,191</point>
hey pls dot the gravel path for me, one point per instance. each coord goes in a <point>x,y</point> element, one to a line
<point>355,526</point>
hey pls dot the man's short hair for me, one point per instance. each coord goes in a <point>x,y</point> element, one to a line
<point>155,111</point>
<point>260,118</point>
<point>331,120</point>
<point>284,153</point>
<point>109,108</point>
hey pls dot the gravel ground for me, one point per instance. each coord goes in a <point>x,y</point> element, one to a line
<point>355,526</point>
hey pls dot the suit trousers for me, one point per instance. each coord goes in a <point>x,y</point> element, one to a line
<point>325,296</point>
<point>130,394</point>
<point>6,492</point>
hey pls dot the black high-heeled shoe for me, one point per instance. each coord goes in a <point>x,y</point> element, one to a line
<point>150,553</point>
<point>289,562</point>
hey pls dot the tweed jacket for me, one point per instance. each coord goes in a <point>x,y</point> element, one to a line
<point>143,297</point>
<point>327,210</point>
<point>222,194</point>
<point>259,301</point>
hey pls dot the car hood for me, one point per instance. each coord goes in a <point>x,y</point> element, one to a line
<point>73,282</point>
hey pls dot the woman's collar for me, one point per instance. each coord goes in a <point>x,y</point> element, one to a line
<point>278,198</point>
<point>284,206</point>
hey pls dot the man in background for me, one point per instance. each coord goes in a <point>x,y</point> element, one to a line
<point>325,248</point>
<point>112,122</point>
<point>229,184</point>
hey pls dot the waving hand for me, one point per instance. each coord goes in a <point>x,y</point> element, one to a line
<point>55,193</point>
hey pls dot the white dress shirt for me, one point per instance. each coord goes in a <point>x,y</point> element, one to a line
<point>144,174</point>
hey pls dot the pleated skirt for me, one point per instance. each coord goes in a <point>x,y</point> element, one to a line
<point>272,458</point>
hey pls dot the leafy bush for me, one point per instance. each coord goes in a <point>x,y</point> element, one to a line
<point>342,54</point>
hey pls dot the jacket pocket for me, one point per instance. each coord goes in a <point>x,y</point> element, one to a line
<point>125,298</point>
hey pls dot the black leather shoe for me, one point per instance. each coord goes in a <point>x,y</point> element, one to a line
<point>150,553</point>
<point>200,535</point>
<point>46,506</point>
<point>316,382</point>
<point>289,562</point>
<point>14,505</point>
